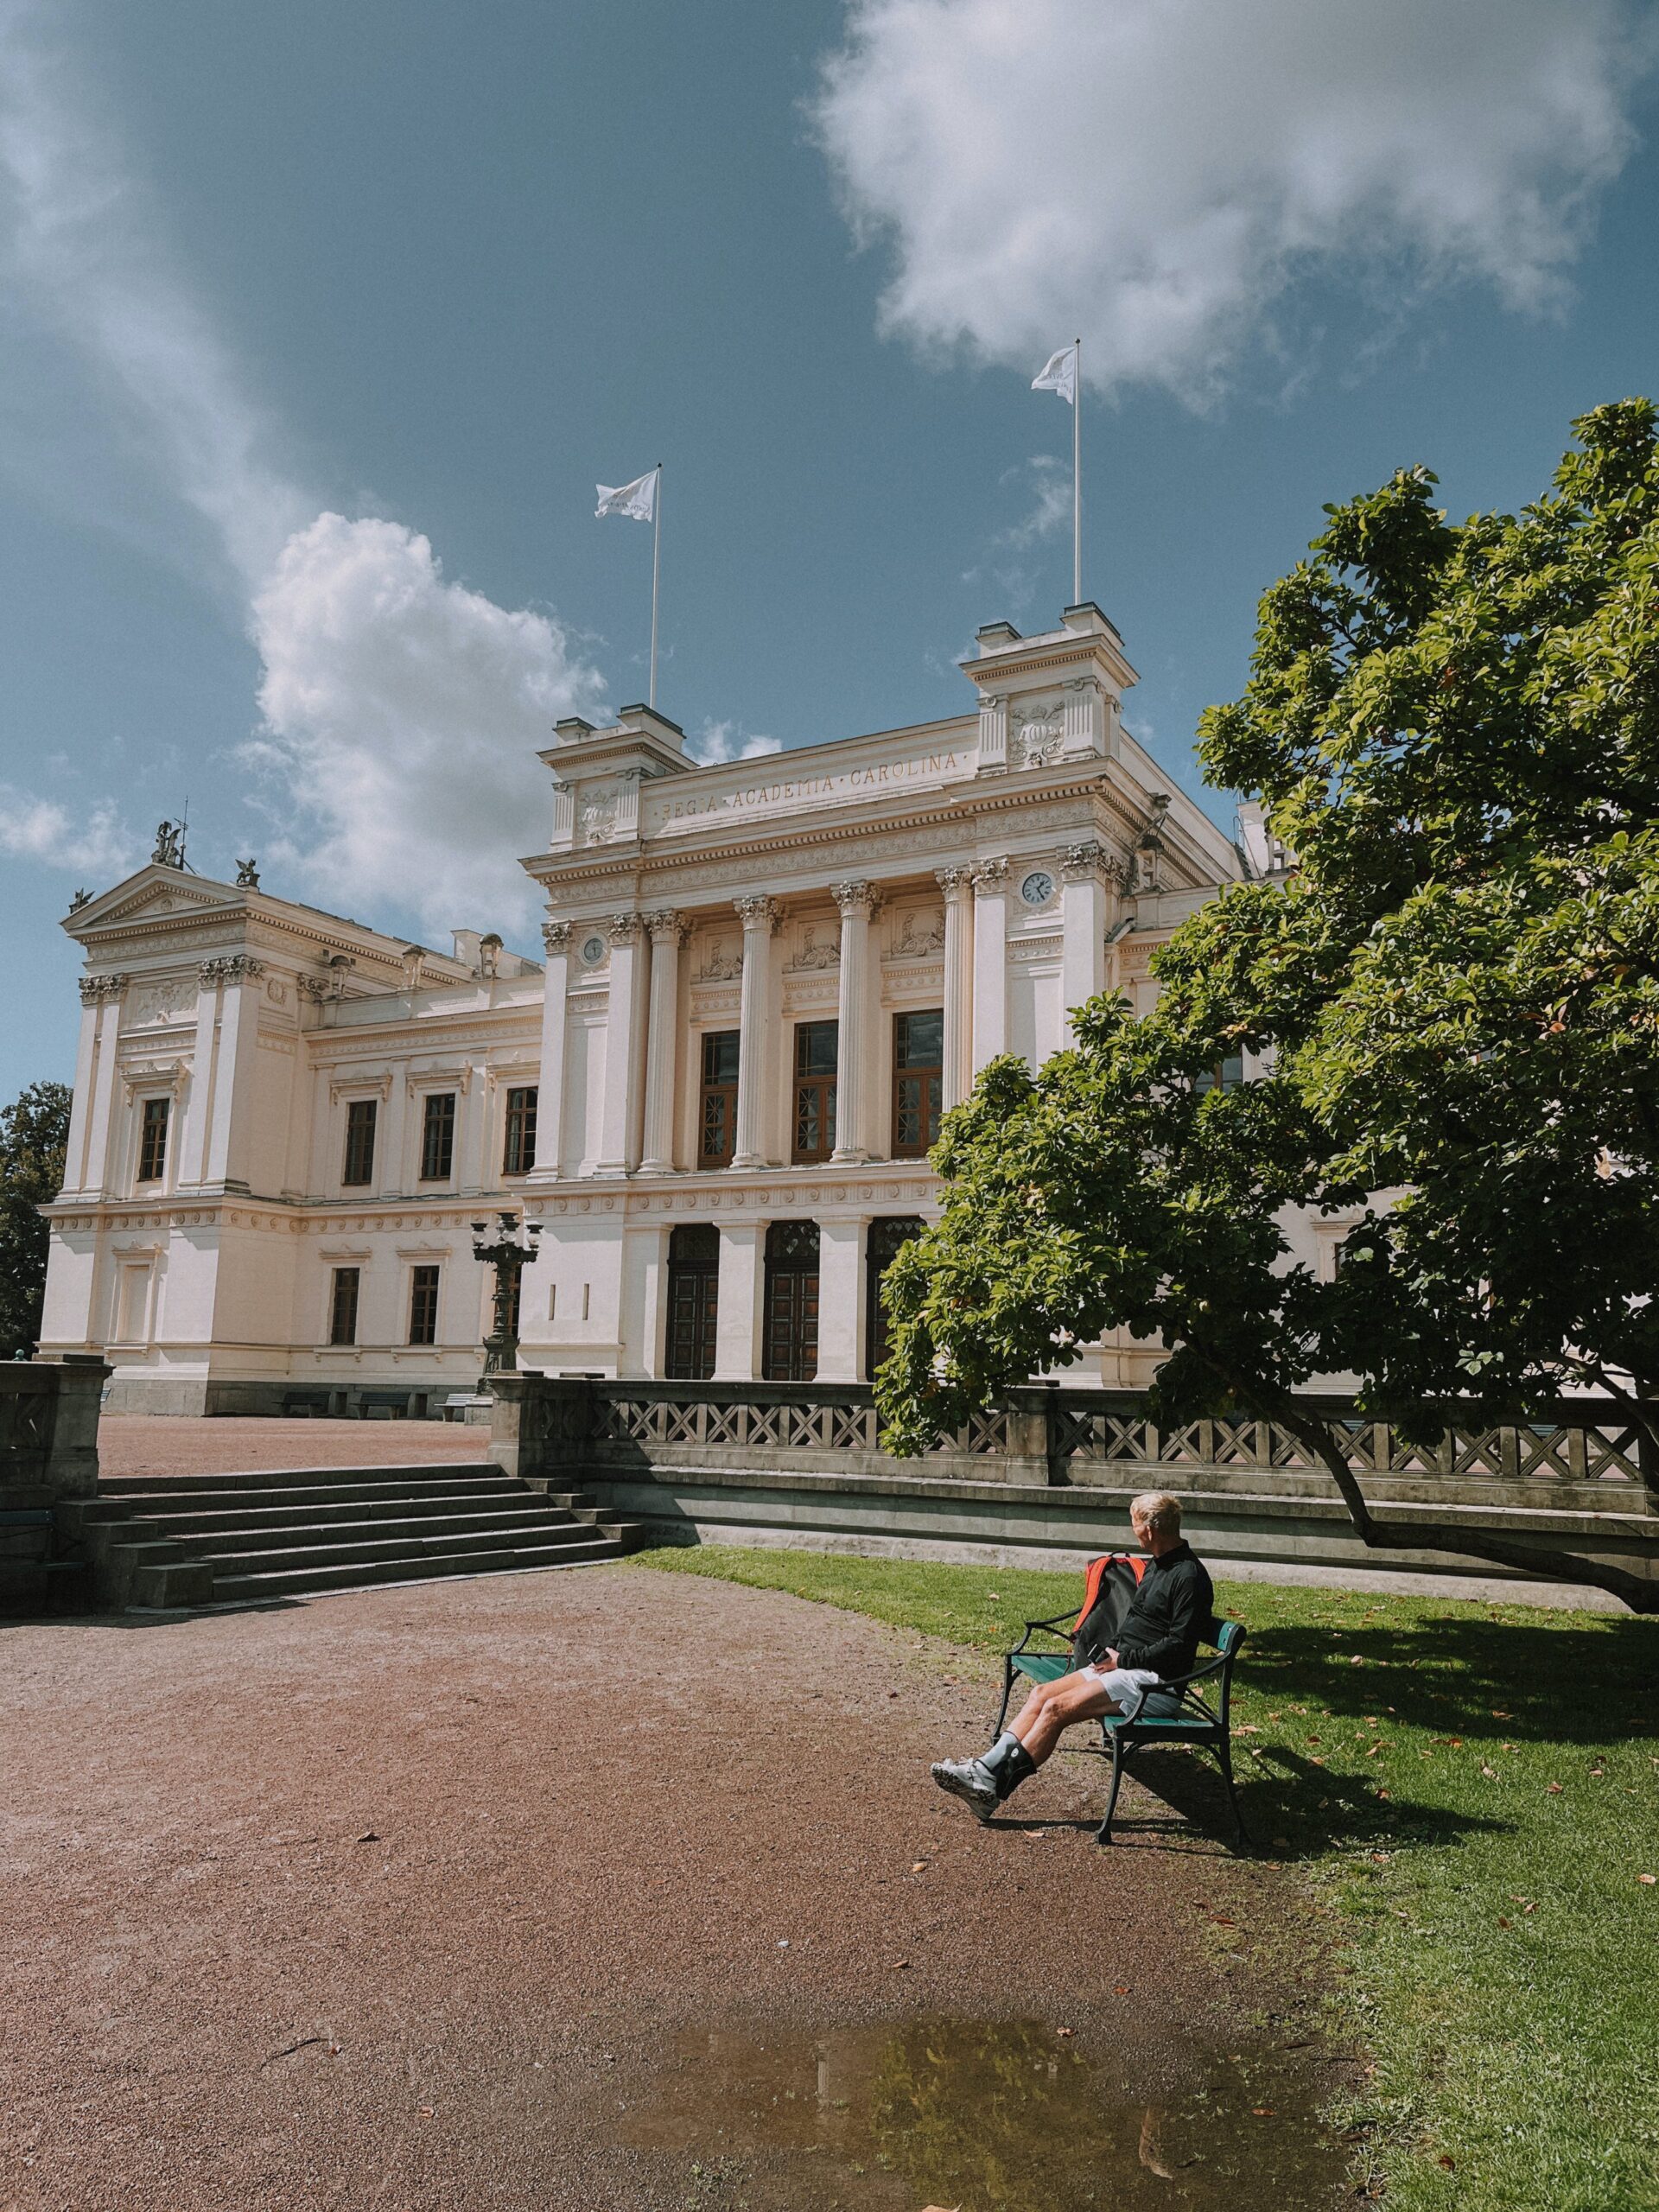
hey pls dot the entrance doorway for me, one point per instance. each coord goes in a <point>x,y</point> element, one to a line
<point>789,1348</point>
<point>888,1237</point>
<point>693,1300</point>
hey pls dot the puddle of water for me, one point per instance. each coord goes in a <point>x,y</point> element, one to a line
<point>992,2116</point>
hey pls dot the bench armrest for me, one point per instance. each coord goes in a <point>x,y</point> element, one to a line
<point>1059,1626</point>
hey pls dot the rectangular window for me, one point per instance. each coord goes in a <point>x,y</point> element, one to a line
<point>342,1308</point>
<point>717,1119</point>
<point>360,1114</point>
<point>518,1156</point>
<point>814,1091</point>
<point>152,1140</point>
<point>424,1306</point>
<point>918,1081</point>
<point>1227,1075</point>
<point>438,1137</point>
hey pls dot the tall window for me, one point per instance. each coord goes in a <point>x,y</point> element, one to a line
<point>693,1300</point>
<point>342,1308</point>
<point>717,1122</point>
<point>887,1238</point>
<point>152,1140</point>
<point>790,1348</point>
<point>360,1114</point>
<point>519,1155</point>
<point>424,1306</point>
<point>918,1081</point>
<point>814,1091</point>
<point>1226,1075</point>
<point>438,1137</point>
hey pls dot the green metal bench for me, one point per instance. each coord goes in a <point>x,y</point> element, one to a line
<point>1200,1720</point>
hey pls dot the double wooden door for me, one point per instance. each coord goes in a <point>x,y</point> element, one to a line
<point>693,1300</point>
<point>790,1344</point>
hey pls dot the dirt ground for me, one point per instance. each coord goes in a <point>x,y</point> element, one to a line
<point>576,1890</point>
<point>159,1444</point>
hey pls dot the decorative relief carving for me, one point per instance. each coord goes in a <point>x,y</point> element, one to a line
<point>157,1001</point>
<point>1079,862</point>
<point>812,952</point>
<point>622,929</point>
<point>1035,741</point>
<point>95,989</point>
<point>555,936</point>
<point>358,1086</point>
<point>919,934</point>
<point>990,876</point>
<point>597,814</point>
<point>277,991</point>
<point>312,990</point>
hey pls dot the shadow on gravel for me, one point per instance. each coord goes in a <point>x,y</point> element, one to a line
<point>996,2115</point>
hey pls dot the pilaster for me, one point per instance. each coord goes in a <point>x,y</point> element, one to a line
<point>550,1095</point>
<point>742,1277</point>
<point>668,935</point>
<point>841,1247</point>
<point>990,961</point>
<point>957,885</point>
<point>758,1024</point>
<point>857,902</point>
<point>624,1047</point>
<point>1090,878</point>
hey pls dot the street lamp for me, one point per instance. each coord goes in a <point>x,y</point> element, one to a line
<point>508,1255</point>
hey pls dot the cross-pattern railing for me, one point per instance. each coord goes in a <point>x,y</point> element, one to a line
<point>1043,1434</point>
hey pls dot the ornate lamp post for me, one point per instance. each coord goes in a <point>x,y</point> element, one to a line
<point>508,1256</point>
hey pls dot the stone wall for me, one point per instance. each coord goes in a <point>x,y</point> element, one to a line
<point>48,1461</point>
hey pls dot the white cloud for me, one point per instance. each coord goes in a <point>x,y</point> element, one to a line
<point>1049,484</point>
<point>1156,173</point>
<point>728,741</point>
<point>402,713</point>
<point>406,714</point>
<point>95,845</point>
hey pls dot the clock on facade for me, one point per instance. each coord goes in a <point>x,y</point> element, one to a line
<point>1038,888</point>
<point>592,951</point>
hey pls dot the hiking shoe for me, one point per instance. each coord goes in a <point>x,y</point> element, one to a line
<point>968,1780</point>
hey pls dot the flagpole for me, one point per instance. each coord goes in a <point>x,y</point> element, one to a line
<point>1079,483</point>
<point>655,562</point>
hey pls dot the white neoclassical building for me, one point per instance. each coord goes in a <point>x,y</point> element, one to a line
<point>765,981</point>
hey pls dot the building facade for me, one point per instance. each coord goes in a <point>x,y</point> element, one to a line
<point>764,983</point>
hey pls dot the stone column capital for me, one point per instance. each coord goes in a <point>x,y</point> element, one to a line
<point>555,936</point>
<point>953,881</point>
<point>990,877</point>
<point>239,968</point>
<point>1079,863</point>
<point>758,912</point>
<point>668,926</point>
<point>96,988</point>
<point>622,929</point>
<point>856,897</point>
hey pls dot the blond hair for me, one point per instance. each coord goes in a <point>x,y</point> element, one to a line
<point>1158,1511</point>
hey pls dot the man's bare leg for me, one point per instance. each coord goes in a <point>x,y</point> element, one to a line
<point>983,1783</point>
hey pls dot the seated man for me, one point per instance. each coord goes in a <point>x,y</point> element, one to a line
<point>1158,1641</point>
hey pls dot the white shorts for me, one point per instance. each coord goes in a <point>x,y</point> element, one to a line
<point>1126,1686</point>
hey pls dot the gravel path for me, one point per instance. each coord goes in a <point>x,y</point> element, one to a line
<point>408,1898</point>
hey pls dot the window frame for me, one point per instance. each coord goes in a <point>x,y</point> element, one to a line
<point>429,1100</point>
<point>518,1128</point>
<point>150,1122</point>
<point>819,1089</point>
<point>336,1287</point>
<point>930,1075</point>
<point>709,1091</point>
<point>425,1279</point>
<point>361,1114</point>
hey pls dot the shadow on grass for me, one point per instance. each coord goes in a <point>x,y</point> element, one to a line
<point>1524,1680</point>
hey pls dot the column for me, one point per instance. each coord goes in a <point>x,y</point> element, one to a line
<point>230,1131</point>
<point>195,1114</point>
<point>857,902</point>
<point>1090,877</point>
<point>625,1048</point>
<point>990,961</point>
<point>993,735</point>
<point>550,1095</point>
<point>742,1283</point>
<point>668,934</point>
<point>94,1095</point>
<point>755,1024</point>
<point>842,1246</point>
<point>957,885</point>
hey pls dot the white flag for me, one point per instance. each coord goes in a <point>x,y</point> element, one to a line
<point>637,500</point>
<point>1060,375</point>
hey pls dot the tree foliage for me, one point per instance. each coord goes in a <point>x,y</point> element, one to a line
<point>1452,1002</point>
<point>33,1140</point>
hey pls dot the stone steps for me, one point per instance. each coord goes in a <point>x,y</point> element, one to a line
<point>164,1541</point>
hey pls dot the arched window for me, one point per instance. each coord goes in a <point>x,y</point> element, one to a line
<point>887,1238</point>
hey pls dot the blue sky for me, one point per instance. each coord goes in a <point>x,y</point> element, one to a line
<point>319,323</point>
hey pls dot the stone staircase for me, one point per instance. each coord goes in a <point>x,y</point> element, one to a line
<point>163,1541</point>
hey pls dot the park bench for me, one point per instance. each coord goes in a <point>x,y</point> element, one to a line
<point>1186,1713</point>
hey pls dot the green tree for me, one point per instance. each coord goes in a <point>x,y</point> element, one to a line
<point>1453,1002</point>
<point>34,1139</point>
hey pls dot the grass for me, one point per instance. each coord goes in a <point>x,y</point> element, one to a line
<point>1474,1788</point>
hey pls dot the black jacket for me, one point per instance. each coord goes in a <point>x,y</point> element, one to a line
<point>1168,1615</point>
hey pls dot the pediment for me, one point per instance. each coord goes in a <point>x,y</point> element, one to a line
<point>155,894</point>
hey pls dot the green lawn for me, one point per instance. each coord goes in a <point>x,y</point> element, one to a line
<point>1475,1788</point>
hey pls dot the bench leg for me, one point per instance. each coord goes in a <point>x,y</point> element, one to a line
<point>1103,1833</point>
<point>1227,1771</point>
<point>1008,1692</point>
